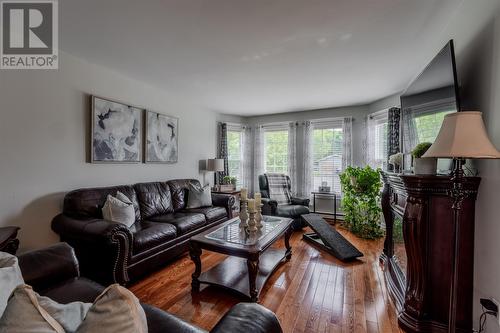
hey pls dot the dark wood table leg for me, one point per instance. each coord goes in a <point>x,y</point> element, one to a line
<point>253,270</point>
<point>288,234</point>
<point>195,254</point>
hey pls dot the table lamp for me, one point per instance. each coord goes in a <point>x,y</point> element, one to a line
<point>215,165</point>
<point>462,136</point>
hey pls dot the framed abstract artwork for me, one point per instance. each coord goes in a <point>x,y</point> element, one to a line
<point>116,132</point>
<point>162,133</point>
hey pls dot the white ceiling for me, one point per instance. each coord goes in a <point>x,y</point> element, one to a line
<point>251,57</point>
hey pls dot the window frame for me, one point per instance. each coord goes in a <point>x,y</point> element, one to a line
<point>321,125</point>
<point>378,118</point>
<point>236,128</point>
<point>273,128</point>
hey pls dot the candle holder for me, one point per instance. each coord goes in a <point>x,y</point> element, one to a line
<point>243,214</point>
<point>252,225</point>
<point>258,216</point>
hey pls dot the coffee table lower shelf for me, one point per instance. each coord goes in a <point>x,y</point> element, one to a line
<point>232,273</point>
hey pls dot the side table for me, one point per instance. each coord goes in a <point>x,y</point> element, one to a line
<point>327,194</point>
<point>8,239</point>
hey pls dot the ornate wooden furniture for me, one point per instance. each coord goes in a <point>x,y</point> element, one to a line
<point>8,239</point>
<point>250,261</point>
<point>417,254</point>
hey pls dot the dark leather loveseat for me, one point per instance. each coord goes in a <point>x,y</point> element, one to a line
<point>110,252</point>
<point>54,272</point>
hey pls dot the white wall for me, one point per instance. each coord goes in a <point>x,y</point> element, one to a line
<point>44,137</point>
<point>478,67</point>
<point>385,103</point>
<point>475,29</point>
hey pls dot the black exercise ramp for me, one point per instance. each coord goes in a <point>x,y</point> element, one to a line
<point>330,239</point>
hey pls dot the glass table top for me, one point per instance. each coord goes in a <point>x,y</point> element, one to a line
<point>232,232</point>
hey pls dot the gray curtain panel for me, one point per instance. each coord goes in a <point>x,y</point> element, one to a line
<point>222,153</point>
<point>393,147</point>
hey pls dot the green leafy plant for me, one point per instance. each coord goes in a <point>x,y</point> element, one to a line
<point>420,149</point>
<point>228,180</point>
<point>360,201</point>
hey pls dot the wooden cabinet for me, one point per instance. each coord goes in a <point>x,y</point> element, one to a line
<point>417,254</point>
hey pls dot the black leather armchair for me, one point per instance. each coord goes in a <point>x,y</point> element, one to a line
<point>54,272</point>
<point>295,210</point>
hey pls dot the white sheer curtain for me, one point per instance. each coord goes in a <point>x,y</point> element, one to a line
<point>258,156</point>
<point>370,141</point>
<point>246,157</point>
<point>347,144</point>
<point>375,139</point>
<point>292,155</point>
<point>410,137</point>
<point>304,188</point>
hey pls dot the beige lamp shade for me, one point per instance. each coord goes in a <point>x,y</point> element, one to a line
<point>215,164</point>
<point>463,135</point>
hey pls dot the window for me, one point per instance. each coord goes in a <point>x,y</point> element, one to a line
<point>377,124</point>
<point>234,154</point>
<point>381,143</point>
<point>276,150</point>
<point>428,125</point>
<point>327,150</point>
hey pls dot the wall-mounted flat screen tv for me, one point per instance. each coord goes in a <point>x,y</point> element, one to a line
<point>428,98</point>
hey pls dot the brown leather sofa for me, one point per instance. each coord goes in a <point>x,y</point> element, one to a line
<point>53,272</point>
<point>110,252</point>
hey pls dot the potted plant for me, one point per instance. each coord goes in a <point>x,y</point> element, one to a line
<point>396,160</point>
<point>229,183</point>
<point>423,166</point>
<point>360,201</point>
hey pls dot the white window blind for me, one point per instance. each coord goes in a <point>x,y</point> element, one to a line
<point>235,152</point>
<point>327,151</point>
<point>276,148</point>
<point>377,127</point>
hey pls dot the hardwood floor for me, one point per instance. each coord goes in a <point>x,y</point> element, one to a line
<point>314,292</point>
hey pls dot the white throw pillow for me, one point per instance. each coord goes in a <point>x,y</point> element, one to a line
<point>115,310</point>
<point>10,278</point>
<point>199,196</point>
<point>69,315</point>
<point>119,211</point>
<point>24,314</point>
<point>122,197</point>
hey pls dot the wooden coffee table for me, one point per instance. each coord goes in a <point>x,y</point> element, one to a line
<point>250,260</point>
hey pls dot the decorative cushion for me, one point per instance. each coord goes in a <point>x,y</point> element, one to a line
<point>24,314</point>
<point>116,309</point>
<point>119,211</point>
<point>123,198</point>
<point>199,196</point>
<point>278,188</point>
<point>10,278</point>
<point>69,315</point>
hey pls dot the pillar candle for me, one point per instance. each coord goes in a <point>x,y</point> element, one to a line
<point>258,198</point>
<point>251,205</point>
<point>244,194</point>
